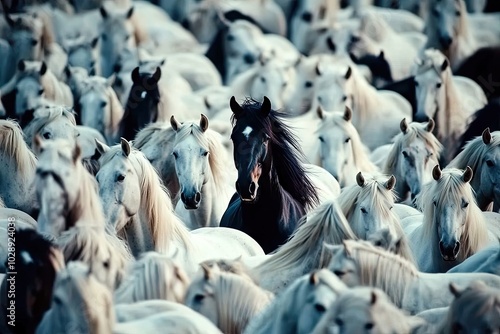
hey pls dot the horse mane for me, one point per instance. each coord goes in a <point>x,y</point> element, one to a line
<point>92,244</point>
<point>290,174</point>
<point>153,276</point>
<point>477,302</point>
<point>148,133</point>
<point>237,300</point>
<point>381,269</point>
<point>156,205</point>
<point>364,94</point>
<point>211,141</point>
<point>451,187</point>
<point>474,151</point>
<point>414,131</point>
<point>44,118</point>
<point>359,151</point>
<point>374,26</point>
<point>12,143</point>
<point>325,224</point>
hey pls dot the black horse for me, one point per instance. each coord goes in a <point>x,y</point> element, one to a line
<point>142,104</point>
<point>273,190</point>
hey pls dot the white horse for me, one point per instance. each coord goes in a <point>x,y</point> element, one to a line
<point>302,252</point>
<point>360,263</point>
<point>341,151</point>
<point>201,168</point>
<point>364,309</point>
<point>482,154</point>
<point>452,226</point>
<point>412,156</point>
<point>140,210</point>
<point>449,100</point>
<point>66,191</point>
<point>230,301</point>
<point>456,33</point>
<point>487,260</point>
<point>368,207</point>
<point>299,308</point>
<point>18,173</point>
<point>99,107</point>
<point>376,114</point>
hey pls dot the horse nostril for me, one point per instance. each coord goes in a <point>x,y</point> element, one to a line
<point>197,197</point>
<point>249,58</point>
<point>252,188</point>
<point>456,249</point>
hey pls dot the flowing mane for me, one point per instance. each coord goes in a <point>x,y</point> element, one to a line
<point>474,151</point>
<point>288,171</point>
<point>45,117</point>
<point>451,188</point>
<point>148,133</point>
<point>156,206</point>
<point>153,276</point>
<point>414,131</point>
<point>325,224</point>
<point>381,269</point>
<point>211,141</point>
<point>12,143</point>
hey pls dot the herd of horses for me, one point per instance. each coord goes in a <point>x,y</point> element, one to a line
<point>362,196</point>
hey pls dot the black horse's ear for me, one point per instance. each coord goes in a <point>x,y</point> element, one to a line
<point>265,109</point>
<point>235,106</point>
<point>381,55</point>
<point>157,75</point>
<point>136,78</point>
<point>445,64</point>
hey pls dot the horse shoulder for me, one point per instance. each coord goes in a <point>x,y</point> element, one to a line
<point>468,87</point>
<point>398,101</point>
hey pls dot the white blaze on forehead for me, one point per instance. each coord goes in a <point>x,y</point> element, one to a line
<point>26,257</point>
<point>248,130</point>
<point>143,94</point>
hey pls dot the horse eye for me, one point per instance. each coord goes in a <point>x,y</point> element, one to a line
<point>490,163</point>
<point>416,83</point>
<point>103,104</point>
<point>378,243</point>
<point>120,178</point>
<point>320,308</point>
<point>435,12</point>
<point>106,264</point>
<point>405,154</point>
<point>230,37</point>
<point>457,13</point>
<point>198,298</point>
<point>339,322</point>
<point>339,273</point>
<point>40,92</point>
<point>344,98</point>
<point>321,139</point>
<point>57,301</point>
<point>363,210</point>
<point>434,203</point>
<point>369,325</point>
<point>205,153</point>
<point>347,140</point>
<point>262,79</point>
<point>46,135</point>
<point>34,41</point>
<point>175,154</point>
<point>438,85</point>
<point>308,84</point>
<point>465,204</point>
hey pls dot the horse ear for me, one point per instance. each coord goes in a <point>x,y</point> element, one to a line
<point>444,65</point>
<point>313,278</point>
<point>430,125</point>
<point>135,75</point>
<point>347,114</point>
<point>104,12</point>
<point>403,125</point>
<point>331,44</point>
<point>436,172</point>
<point>320,112</point>
<point>207,103</point>
<point>468,174</point>
<point>346,247</point>
<point>455,290</point>
<point>265,108</point>
<point>360,179</point>
<point>318,70</point>
<point>207,271</point>
<point>21,65</point>
<point>486,136</point>
<point>174,123</point>
<point>381,55</point>
<point>94,42</point>
<point>125,146</point>
<point>111,80</point>
<point>398,245</point>
<point>101,147</point>
<point>235,107</point>
<point>297,63</point>
<point>77,153</point>
<point>157,75</point>
<point>203,123</point>
<point>348,73</point>
<point>43,68</point>
<point>373,298</point>
<point>389,185</point>
<point>130,12</point>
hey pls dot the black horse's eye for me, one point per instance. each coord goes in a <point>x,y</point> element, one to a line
<point>490,163</point>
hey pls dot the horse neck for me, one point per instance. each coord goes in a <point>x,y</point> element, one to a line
<point>138,236</point>
<point>364,97</point>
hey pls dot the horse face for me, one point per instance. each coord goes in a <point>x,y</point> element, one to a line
<point>242,48</point>
<point>430,95</point>
<point>28,90</point>
<point>447,14</point>
<point>117,35</point>
<point>319,299</point>
<point>26,43</point>
<point>451,217</point>
<point>336,153</point>
<point>414,169</point>
<point>300,98</point>
<point>333,89</point>
<point>273,81</point>
<point>119,190</point>
<point>345,268</point>
<point>82,57</point>
<point>200,298</point>
<point>191,164</point>
<point>371,219</point>
<point>94,106</point>
<point>251,158</point>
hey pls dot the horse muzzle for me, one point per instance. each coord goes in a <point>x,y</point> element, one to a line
<point>191,202</point>
<point>449,252</point>
<point>249,193</point>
